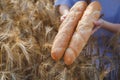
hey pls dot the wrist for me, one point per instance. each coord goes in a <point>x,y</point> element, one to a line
<point>65,12</point>
<point>103,23</point>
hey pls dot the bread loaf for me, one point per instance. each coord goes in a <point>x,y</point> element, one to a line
<point>66,31</point>
<point>83,32</point>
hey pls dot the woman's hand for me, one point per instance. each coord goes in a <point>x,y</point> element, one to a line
<point>99,23</point>
<point>113,27</point>
<point>62,18</point>
<point>64,10</point>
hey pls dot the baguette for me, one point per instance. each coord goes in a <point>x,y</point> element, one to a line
<point>66,30</point>
<point>83,32</point>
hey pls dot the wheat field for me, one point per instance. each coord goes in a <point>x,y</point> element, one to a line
<point>27,31</point>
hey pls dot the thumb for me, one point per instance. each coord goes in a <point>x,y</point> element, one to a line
<point>63,17</point>
<point>97,23</point>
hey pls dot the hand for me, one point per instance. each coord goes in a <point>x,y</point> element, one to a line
<point>62,18</point>
<point>98,24</point>
<point>64,10</point>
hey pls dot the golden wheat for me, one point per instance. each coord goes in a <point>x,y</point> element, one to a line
<point>27,31</point>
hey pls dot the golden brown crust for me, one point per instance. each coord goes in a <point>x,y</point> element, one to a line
<point>69,56</point>
<point>66,30</point>
<point>83,31</point>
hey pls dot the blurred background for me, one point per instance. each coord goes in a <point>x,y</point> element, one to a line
<point>27,31</point>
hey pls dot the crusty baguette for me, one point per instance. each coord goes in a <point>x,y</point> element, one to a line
<point>67,29</point>
<point>83,32</point>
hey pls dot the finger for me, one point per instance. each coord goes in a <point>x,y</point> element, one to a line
<point>95,29</point>
<point>97,23</point>
<point>62,19</point>
<point>100,22</point>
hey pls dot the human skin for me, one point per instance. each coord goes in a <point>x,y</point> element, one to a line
<point>113,27</point>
